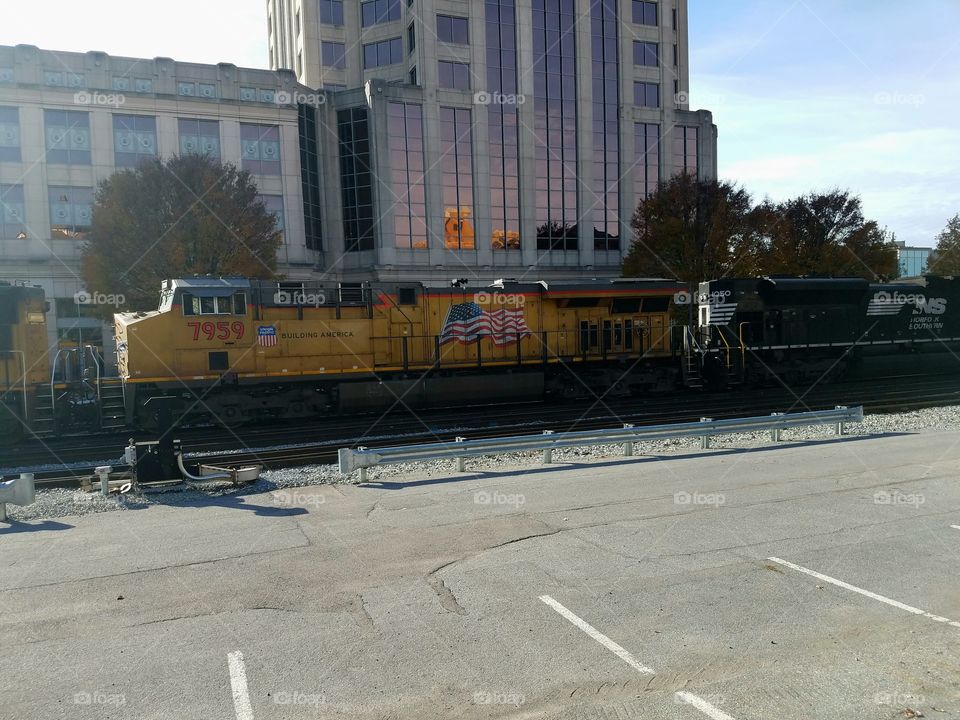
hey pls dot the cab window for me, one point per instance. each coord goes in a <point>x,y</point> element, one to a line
<point>235,304</point>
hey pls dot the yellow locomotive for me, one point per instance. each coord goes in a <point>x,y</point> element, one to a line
<point>236,350</point>
<point>24,360</point>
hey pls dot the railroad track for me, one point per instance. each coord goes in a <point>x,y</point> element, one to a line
<point>300,447</point>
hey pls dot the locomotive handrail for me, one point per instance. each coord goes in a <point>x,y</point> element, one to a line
<point>362,458</point>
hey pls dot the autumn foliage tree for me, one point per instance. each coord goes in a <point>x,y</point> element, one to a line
<point>945,259</point>
<point>188,215</point>
<point>703,230</point>
<point>825,234</point>
<point>694,230</point>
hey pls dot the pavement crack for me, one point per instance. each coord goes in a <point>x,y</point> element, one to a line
<point>362,616</point>
<point>447,599</point>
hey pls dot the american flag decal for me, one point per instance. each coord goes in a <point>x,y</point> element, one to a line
<point>468,322</point>
<point>266,336</point>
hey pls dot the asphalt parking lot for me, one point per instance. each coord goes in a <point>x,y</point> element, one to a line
<point>812,580</point>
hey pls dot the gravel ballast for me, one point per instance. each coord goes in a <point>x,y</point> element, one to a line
<point>66,503</point>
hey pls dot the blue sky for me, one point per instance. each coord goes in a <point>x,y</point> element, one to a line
<point>807,94</point>
<point>857,94</point>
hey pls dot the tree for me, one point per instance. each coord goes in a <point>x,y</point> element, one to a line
<point>189,215</point>
<point>826,234</point>
<point>945,259</point>
<point>694,230</point>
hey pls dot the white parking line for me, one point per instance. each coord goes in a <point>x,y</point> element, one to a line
<point>590,630</point>
<point>698,702</point>
<point>238,683</point>
<point>865,593</point>
<point>955,527</point>
<point>703,706</point>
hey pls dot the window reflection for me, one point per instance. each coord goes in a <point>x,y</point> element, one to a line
<point>503,124</point>
<point>606,128</point>
<point>647,166</point>
<point>685,150</point>
<point>555,118</point>
<point>355,181</point>
<point>70,212</point>
<point>405,132</point>
<point>456,165</point>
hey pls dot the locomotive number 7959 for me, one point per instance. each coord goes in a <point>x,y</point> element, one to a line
<point>219,331</point>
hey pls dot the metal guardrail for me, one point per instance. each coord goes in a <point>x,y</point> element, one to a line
<point>363,458</point>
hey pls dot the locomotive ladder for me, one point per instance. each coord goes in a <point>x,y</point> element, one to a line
<point>690,365</point>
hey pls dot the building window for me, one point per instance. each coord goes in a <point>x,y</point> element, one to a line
<point>334,54</point>
<point>454,75</point>
<point>606,127</point>
<point>413,76</point>
<point>456,165</point>
<point>260,149</point>
<point>685,150</point>
<point>67,137</point>
<point>121,83</point>
<point>248,94</point>
<point>70,212</point>
<point>12,226</point>
<point>143,85</point>
<point>385,52</point>
<point>266,95</point>
<point>646,94</point>
<point>310,176</point>
<point>411,38</point>
<point>503,124</point>
<point>355,179</point>
<point>455,30</point>
<point>334,87</point>
<point>644,13</point>
<point>199,137</point>
<point>9,134</point>
<point>186,89</point>
<point>374,12</point>
<point>675,23</point>
<point>134,139</point>
<point>274,204</point>
<point>296,23</point>
<point>331,12</point>
<point>646,53</point>
<point>405,133</point>
<point>555,127</point>
<point>646,167</point>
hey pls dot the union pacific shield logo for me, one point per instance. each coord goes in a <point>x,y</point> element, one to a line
<point>266,336</point>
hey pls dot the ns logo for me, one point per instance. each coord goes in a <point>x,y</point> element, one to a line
<point>930,306</point>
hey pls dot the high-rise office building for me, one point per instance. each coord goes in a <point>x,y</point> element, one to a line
<point>492,138</point>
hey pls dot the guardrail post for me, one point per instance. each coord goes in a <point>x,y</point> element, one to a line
<point>705,439</point>
<point>461,461</point>
<point>17,492</point>
<point>104,474</point>
<point>628,446</point>
<point>841,425</point>
<point>363,474</point>
<point>548,452</point>
<point>775,433</point>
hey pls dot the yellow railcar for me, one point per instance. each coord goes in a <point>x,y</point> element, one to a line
<point>24,360</point>
<point>235,350</point>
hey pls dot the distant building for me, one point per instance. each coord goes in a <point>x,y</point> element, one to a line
<point>70,120</point>
<point>912,261</point>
